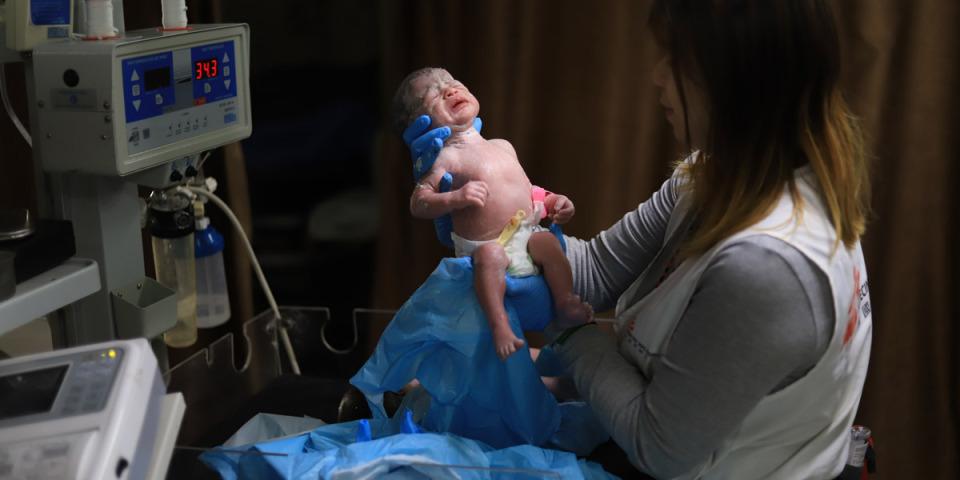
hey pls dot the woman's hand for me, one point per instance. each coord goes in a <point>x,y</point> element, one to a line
<point>425,144</point>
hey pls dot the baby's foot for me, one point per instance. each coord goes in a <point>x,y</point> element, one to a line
<point>505,342</point>
<point>572,312</point>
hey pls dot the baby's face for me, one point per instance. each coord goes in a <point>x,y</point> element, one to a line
<point>447,101</point>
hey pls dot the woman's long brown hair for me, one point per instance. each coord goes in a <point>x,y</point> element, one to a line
<point>769,70</point>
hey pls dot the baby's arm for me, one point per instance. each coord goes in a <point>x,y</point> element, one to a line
<point>428,202</point>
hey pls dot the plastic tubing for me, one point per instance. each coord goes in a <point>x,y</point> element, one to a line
<point>9,108</point>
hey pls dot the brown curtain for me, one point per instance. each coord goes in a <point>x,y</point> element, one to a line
<point>569,84</point>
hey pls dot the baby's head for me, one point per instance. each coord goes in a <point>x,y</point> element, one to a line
<point>433,91</point>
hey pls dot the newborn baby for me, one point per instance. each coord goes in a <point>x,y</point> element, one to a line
<point>496,211</point>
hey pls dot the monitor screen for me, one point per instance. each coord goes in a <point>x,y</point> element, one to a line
<point>30,392</point>
<point>156,78</point>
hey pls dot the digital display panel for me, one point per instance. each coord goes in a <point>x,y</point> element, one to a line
<point>32,392</point>
<point>203,69</point>
<point>167,84</point>
<point>156,78</point>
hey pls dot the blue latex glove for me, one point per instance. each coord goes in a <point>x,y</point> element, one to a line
<point>426,144</point>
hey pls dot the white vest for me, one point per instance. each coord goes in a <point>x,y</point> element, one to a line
<point>801,431</point>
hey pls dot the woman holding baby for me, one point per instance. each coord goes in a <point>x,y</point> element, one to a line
<point>740,288</point>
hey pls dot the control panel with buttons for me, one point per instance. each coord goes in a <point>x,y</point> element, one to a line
<point>143,100</point>
<point>179,94</point>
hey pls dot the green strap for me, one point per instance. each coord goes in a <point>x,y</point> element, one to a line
<point>569,333</point>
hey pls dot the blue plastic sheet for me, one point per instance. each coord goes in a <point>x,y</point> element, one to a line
<point>264,426</point>
<point>441,337</point>
<point>332,451</point>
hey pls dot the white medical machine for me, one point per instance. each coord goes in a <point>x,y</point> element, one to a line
<point>90,412</point>
<point>120,107</point>
<point>111,113</point>
<point>115,114</point>
<point>108,114</point>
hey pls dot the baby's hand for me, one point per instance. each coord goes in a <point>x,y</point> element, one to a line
<point>473,194</point>
<point>562,210</point>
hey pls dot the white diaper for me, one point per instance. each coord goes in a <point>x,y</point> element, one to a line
<point>521,264</point>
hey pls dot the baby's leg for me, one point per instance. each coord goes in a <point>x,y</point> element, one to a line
<point>490,265</point>
<point>545,250</point>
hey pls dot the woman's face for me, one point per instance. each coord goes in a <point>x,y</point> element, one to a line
<point>696,111</point>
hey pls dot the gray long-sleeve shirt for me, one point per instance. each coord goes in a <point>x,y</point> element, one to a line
<point>760,318</point>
